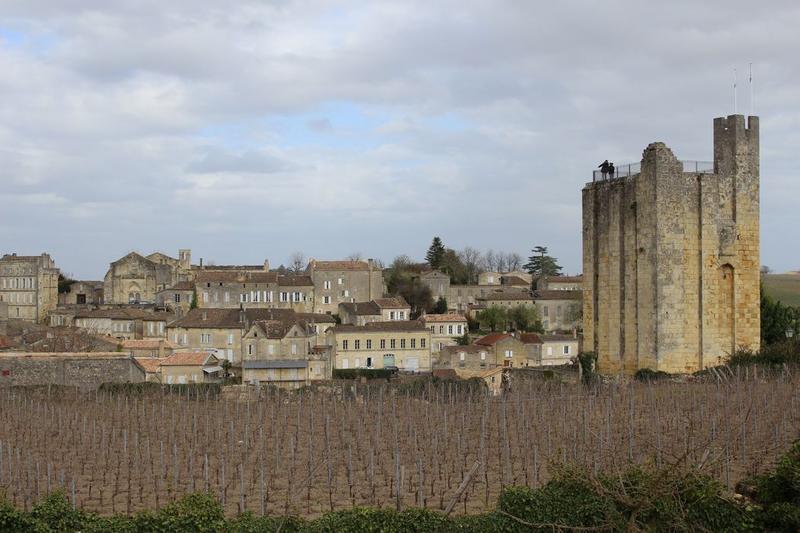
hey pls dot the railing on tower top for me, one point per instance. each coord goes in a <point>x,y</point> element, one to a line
<point>631,169</point>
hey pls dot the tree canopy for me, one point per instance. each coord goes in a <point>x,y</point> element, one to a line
<point>435,253</point>
<point>541,264</point>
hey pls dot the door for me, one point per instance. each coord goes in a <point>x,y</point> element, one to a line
<point>412,363</point>
<point>388,360</point>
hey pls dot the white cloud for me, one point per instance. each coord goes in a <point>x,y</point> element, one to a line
<point>136,124</point>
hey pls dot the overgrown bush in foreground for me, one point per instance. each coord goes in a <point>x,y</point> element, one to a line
<point>641,499</point>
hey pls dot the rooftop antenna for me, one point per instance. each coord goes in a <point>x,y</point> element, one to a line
<point>752,97</point>
<point>734,91</point>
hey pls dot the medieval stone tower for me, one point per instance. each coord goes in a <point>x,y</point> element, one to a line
<point>671,257</point>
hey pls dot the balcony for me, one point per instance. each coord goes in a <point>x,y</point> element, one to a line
<point>631,169</point>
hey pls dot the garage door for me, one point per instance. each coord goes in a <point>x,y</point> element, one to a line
<point>412,363</point>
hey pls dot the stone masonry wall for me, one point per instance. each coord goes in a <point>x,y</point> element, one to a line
<point>78,371</point>
<point>671,258</point>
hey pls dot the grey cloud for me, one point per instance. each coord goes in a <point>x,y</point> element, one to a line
<point>250,162</point>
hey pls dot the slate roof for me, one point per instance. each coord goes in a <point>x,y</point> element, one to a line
<point>274,329</point>
<point>361,308</point>
<point>320,318</point>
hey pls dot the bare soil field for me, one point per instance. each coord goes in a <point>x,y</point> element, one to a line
<point>309,453</point>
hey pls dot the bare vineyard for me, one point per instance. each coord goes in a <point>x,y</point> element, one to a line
<point>307,454</point>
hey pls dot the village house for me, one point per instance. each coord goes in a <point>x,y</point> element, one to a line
<point>400,344</point>
<point>82,293</point>
<point>559,310</point>
<point>282,353</point>
<point>136,279</point>
<point>266,290</point>
<point>560,283</point>
<point>159,348</point>
<point>177,298</point>
<point>29,285</point>
<point>378,310</point>
<point>191,367</point>
<point>344,281</point>
<point>210,330</point>
<point>151,367</point>
<point>504,350</point>
<point>469,357</point>
<point>507,299</point>
<point>559,349</point>
<point>444,329</point>
<point>123,323</point>
<point>533,346</point>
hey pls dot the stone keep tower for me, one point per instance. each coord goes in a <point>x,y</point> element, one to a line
<point>671,257</point>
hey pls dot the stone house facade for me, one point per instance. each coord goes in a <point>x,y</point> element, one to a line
<point>29,285</point>
<point>444,328</point>
<point>470,357</point>
<point>378,310</point>
<point>560,283</point>
<point>83,293</point>
<point>559,310</point>
<point>403,345</point>
<point>123,323</point>
<point>671,257</point>
<point>177,298</point>
<point>282,353</point>
<point>504,349</point>
<point>336,282</point>
<point>438,282</point>
<point>230,289</point>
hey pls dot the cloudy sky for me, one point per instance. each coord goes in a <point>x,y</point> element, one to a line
<point>247,130</point>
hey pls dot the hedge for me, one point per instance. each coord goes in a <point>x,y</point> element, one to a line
<point>369,373</point>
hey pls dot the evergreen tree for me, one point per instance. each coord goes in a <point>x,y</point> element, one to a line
<point>435,253</point>
<point>441,305</point>
<point>540,264</point>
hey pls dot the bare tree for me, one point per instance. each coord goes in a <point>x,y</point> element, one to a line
<point>490,260</point>
<point>297,262</point>
<point>355,256</point>
<point>514,261</point>
<point>471,259</point>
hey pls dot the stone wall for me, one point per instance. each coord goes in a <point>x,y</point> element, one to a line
<point>85,370</point>
<point>671,258</point>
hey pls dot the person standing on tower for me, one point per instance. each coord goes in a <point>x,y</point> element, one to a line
<point>611,171</point>
<point>604,168</point>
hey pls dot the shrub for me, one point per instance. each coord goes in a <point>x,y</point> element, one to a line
<point>647,375</point>
<point>369,373</point>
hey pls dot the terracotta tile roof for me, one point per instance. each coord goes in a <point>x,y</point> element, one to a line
<point>491,339</point>
<point>397,302</point>
<point>557,295</point>
<point>530,338</point>
<point>361,308</point>
<point>235,276</point>
<point>186,359</point>
<point>340,265</point>
<point>146,344</point>
<point>445,317</point>
<point>149,364</point>
<point>396,325</point>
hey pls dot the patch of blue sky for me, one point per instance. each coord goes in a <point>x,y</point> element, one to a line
<point>337,125</point>
<point>35,42</point>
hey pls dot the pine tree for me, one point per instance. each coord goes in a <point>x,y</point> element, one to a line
<point>435,253</point>
<point>540,264</point>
